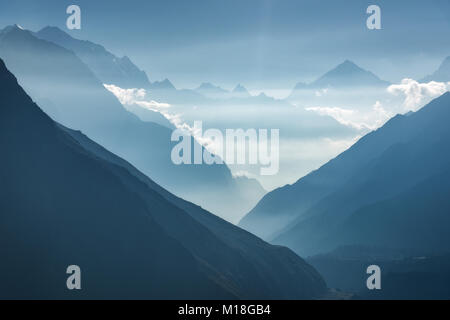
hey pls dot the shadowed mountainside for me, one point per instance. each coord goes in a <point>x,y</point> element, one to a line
<point>66,200</point>
<point>389,189</point>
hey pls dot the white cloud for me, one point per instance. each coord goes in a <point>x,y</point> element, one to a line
<point>135,96</point>
<point>416,94</point>
<point>360,120</point>
<point>339,114</point>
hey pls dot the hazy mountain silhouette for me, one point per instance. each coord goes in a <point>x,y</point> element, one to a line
<point>442,74</point>
<point>347,85</point>
<point>106,66</point>
<point>162,85</point>
<point>212,91</point>
<point>389,189</point>
<point>66,200</point>
<point>71,94</point>
<point>348,74</point>
<point>240,92</point>
<point>121,72</point>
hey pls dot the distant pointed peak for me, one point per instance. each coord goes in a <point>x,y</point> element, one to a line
<point>14,27</point>
<point>348,73</point>
<point>240,88</point>
<point>348,65</point>
<point>16,30</point>
<point>347,61</point>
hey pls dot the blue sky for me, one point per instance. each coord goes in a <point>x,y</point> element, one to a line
<point>263,44</point>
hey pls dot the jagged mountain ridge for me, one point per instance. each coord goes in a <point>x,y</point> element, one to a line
<point>107,67</point>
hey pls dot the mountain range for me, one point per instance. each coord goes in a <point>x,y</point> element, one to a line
<point>212,91</point>
<point>122,72</point>
<point>390,189</point>
<point>70,92</point>
<point>107,67</point>
<point>66,200</point>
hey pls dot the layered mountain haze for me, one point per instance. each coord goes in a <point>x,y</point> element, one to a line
<point>70,93</point>
<point>66,200</point>
<point>225,150</point>
<point>106,66</point>
<point>390,189</point>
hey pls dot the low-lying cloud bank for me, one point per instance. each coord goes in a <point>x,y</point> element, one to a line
<point>417,94</point>
<point>135,96</point>
<point>360,120</point>
<point>408,95</point>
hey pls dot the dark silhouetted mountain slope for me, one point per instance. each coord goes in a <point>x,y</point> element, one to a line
<point>404,275</point>
<point>66,200</point>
